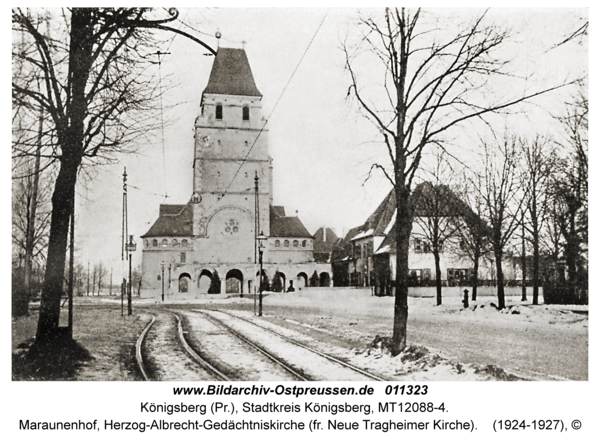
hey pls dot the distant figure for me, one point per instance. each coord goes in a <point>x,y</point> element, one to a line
<point>466,298</point>
<point>291,287</point>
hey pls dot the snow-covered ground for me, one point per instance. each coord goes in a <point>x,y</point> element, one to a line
<point>454,343</point>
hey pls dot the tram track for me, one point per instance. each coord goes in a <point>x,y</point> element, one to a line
<point>316,351</point>
<point>315,365</point>
<point>214,345</point>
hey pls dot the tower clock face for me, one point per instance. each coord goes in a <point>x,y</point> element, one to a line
<point>206,140</point>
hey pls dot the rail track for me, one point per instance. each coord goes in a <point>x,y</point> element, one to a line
<point>214,345</point>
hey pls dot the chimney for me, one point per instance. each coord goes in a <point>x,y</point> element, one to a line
<point>324,233</point>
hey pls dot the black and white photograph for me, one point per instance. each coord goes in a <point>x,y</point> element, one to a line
<point>386,198</point>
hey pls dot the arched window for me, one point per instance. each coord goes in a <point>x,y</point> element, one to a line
<point>295,243</point>
<point>246,113</point>
<point>164,243</point>
<point>286,243</point>
<point>174,243</point>
<point>277,244</point>
<point>184,243</point>
<point>154,243</point>
<point>219,112</point>
<point>303,243</point>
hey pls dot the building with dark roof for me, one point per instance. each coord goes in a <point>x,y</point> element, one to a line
<point>210,242</point>
<point>368,253</point>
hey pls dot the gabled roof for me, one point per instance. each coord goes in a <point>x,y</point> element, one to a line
<point>286,226</point>
<point>430,200</point>
<point>325,240</point>
<point>173,220</point>
<point>379,220</point>
<point>231,74</point>
<point>343,249</point>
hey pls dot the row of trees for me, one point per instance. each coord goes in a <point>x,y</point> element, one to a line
<point>529,198</point>
<point>433,80</point>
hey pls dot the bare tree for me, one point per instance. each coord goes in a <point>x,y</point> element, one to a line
<point>432,82</point>
<point>570,190</point>
<point>102,273</point>
<point>538,160</point>
<point>94,277</point>
<point>472,230</point>
<point>501,192</point>
<point>435,209</point>
<point>88,71</point>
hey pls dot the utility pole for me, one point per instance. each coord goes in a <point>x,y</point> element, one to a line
<point>88,279</point>
<point>124,239</point>
<point>524,259</point>
<point>130,248</point>
<point>256,227</point>
<point>71,256</point>
<point>261,239</point>
<point>162,279</point>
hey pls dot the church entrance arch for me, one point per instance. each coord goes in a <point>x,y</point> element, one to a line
<point>184,282</point>
<point>266,286</point>
<point>324,279</point>
<point>302,280</point>
<point>205,281</point>
<point>234,281</point>
<point>278,282</point>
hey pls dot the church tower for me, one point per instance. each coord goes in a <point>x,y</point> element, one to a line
<point>208,245</point>
<point>231,148</point>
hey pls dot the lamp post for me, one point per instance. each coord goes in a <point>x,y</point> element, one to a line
<point>130,248</point>
<point>261,237</point>
<point>162,279</point>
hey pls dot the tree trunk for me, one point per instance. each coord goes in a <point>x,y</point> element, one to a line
<point>499,279</point>
<point>70,140</point>
<point>536,266</point>
<point>62,203</point>
<point>524,266</point>
<point>403,230</point>
<point>475,275</point>
<point>438,277</point>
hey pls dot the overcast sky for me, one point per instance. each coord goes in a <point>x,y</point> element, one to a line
<point>321,146</point>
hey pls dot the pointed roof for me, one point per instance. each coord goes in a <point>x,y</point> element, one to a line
<point>377,223</point>
<point>231,74</point>
<point>325,240</point>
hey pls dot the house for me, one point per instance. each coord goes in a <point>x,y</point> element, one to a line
<point>210,242</point>
<point>368,252</point>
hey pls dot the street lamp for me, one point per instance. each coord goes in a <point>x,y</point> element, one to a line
<point>260,238</point>
<point>162,279</point>
<point>130,249</point>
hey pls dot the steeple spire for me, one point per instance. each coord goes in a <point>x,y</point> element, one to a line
<point>231,74</point>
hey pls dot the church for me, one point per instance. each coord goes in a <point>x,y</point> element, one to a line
<point>211,244</point>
